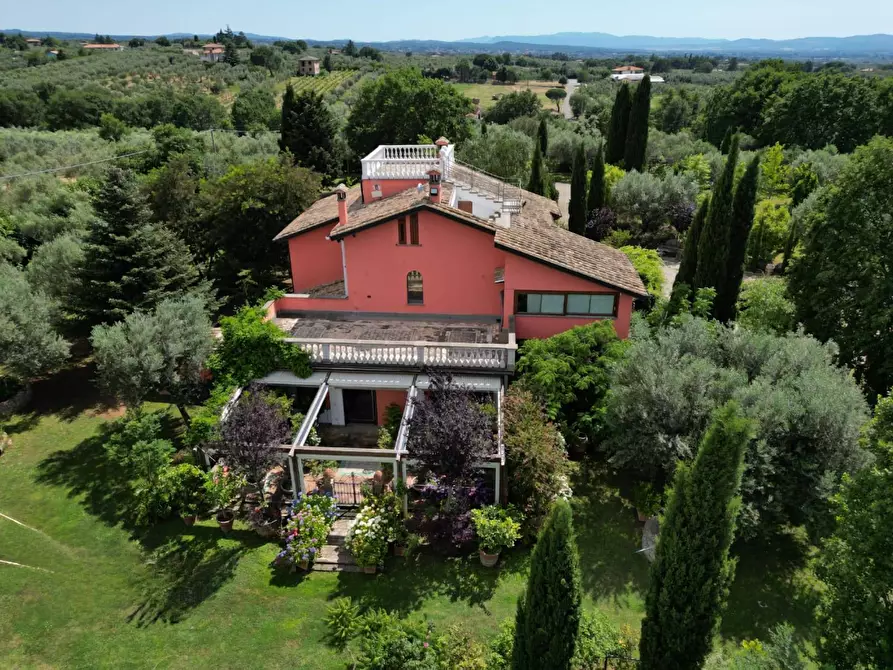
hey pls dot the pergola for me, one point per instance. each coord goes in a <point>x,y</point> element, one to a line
<point>399,456</point>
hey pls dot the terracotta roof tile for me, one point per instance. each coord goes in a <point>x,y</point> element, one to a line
<point>324,210</point>
<point>563,249</point>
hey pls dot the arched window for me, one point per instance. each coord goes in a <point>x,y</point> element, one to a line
<point>414,293</point>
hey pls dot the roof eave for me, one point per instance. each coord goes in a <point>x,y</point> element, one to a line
<point>284,236</point>
<point>433,207</point>
<point>564,268</point>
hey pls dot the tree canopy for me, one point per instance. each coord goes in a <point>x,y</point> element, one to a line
<point>402,105</point>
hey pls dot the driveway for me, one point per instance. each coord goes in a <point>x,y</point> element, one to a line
<point>566,103</point>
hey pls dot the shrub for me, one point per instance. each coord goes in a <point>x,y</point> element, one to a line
<point>309,524</point>
<point>341,620</point>
<point>764,305</point>
<point>648,264</point>
<point>497,528</point>
<point>536,460</point>
<point>185,484</point>
<point>568,373</point>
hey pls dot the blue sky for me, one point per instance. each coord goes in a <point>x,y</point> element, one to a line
<point>379,20</point>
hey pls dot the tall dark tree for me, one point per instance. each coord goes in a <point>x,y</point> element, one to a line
<point>537,182</point>
<point>713,245</point>
<point>596,197</point>
<point>576,221</point>
<point>742,221</point>
<point>616,146</point>
<point>726,141</point>
<point>230,54</point>
<point>548,615</point>
<point>692,570</point>
<point>308,131</point>
<point>130,263</point>
<point>689,263</point>
<point>350,49</point>
<point>637,133</point>
<point>542,136</point>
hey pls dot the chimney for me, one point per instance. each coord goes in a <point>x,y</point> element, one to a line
<point>341,192</point>
<point>434,185</point>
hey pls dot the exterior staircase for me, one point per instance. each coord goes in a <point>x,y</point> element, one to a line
<point>486,185</point>
<point>334,556</point>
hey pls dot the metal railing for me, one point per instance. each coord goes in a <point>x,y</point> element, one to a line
<point>490,185</point>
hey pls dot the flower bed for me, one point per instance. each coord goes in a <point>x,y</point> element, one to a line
<point>379,522</point>
<point>309,523</point>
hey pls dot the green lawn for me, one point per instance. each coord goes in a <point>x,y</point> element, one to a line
<point>181,597</point>
<point>485,92</point>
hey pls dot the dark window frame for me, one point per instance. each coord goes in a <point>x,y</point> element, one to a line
<point>565,312</point>
<point>401,231</point>
<point>414,230</point>
<point>415,297</point>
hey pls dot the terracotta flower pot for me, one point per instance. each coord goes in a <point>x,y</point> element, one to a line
<point>399,550</point>
<point>225,520</point>
<point>370,569</point>
<point>304,565</point>
<point>488,560</point>
<point>189,519</point>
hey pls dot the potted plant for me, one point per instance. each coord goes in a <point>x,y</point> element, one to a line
<point>368,537</point>
<point>647,501</point>
<point>496,529</point>
<point>309,524</point>
<point>185,488</point>
<point>221,487</point>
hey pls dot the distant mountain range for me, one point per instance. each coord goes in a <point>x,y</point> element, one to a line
<point>875,46</point>
<point>858,44</point>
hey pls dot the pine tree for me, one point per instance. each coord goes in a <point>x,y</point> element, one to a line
<point>327,62</point>
<point>308,131</point>
<point>637,133</point>
<point>689,263</point>
<point>617,129</point>
<point>692,570</point>
<point>713,245</point>
<point>542,135</point>
<point>596,198</point>
<point>230,54</point>
<point>576,220</point>
<point>742,221</point>
<point>537,183</point>
<point>548,615</point>
<point>129,263</point>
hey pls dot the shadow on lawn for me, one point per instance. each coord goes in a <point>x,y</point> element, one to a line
<point>608,537</point>
<point>407,584</point>
<point>186,569</point>
<point>772,585</point>
<point>185,565</point>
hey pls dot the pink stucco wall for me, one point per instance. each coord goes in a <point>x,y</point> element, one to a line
<point>526,276</point>
<point>389,186</point>
<point>314,259</point>
<point>384,397</point>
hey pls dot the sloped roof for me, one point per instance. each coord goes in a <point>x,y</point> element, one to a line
<point>532,233</point>
<point>566,250</point>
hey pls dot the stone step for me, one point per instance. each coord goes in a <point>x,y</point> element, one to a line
<point>334,558</point>
<point>339,531</point>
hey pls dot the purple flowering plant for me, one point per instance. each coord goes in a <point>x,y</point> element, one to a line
<point>310,520</point>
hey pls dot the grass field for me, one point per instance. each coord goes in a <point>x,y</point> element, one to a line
<point>96,595</point>
<point>485,92</point>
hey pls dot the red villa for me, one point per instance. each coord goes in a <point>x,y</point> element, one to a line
<point>427,263</point>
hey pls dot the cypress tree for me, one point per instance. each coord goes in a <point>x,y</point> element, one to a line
<point>576,220</point>
<point>692,570</point>
<point>689,263</point>
<point>713,245</point>
<point>308,131</point>
<point>637,133</point>
<point>726,141</point>
<point>596,198</point>
<point>537,181</point>
<point>483,127</point>
<point>542,135</point>
<point>129,263</point>
<point>548,616</point>
<point>617,129</point>
<point>742,221</point>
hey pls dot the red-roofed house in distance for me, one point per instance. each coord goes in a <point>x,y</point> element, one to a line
<point>428,263</point>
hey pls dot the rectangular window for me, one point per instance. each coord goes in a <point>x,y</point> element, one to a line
<point>401,230</point>
<point>573,304</point>
<point>414,229</point>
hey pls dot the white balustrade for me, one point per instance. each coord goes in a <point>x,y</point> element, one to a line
<point>412,354</point>
<point>407,161</point>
